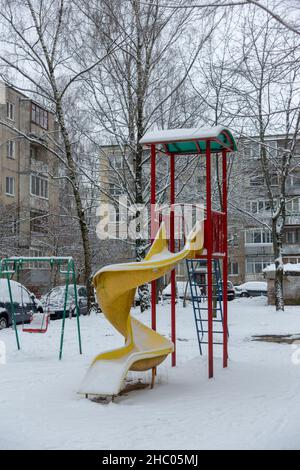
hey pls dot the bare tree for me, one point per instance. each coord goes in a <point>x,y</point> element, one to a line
<point>269,72</point>
<point>140,86</point>
<point>38,56</point>
<point>259,4</point>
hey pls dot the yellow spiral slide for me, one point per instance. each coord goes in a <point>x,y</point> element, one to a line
<point>115,287</point>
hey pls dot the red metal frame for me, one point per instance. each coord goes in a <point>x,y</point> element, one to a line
<point>225,260</point>
<point>172,249</point>
<point>209,248</point>
<point>215,245</point>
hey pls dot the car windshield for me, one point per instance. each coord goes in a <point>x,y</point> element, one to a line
<point>57,295</point>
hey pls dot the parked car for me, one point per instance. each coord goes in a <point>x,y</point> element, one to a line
<point>53,302</point>
<point>230,291</point>
<point>183,290</point>
<point>252,289</point>
<point>25,303</point>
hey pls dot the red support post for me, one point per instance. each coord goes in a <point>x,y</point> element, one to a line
<point>209,245</point>
<point>153,225</point>
<point>225,260</point>
<point>172,249</point>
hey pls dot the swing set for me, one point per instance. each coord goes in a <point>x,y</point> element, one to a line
<point>10,267</point>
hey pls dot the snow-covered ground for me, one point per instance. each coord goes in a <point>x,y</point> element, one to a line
<point>254,404</point>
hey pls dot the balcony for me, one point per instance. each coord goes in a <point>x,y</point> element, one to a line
<point>258,249</point>
<point>293,219</point>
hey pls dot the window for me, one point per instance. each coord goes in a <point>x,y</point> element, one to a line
<point>292,260</point>
<point>10,148</point>
<point>10,186</point>
<point>39,186</point>
<point>252,149</point>
<point>36,253</point>
<point>10,111</point>
<point>39,116</point>
<point>258,206</point>
<point>293,180</point>
<point>233,268</point>
<point>258,237</point>
<point>38,222</point>
<point>233,239</point>
<point>292,236</point>
<point>274,180</point>
<point>116,161</point>
<point>293,206</point>
<point>256,181</point>
<point>272,148</point>
<point>256,265</point>
<point>114,190</point>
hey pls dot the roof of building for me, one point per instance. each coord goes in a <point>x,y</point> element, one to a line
<point>192,141</point>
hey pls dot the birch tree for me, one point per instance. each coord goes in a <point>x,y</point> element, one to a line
<point>141,85</point>
<point>38,51</point>
<point>269,69</point>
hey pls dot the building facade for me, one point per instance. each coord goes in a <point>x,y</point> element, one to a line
<point>250,239</point>
<point>28,195</point>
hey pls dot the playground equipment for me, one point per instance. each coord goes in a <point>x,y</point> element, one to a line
<point>115,286</point>
<point>10,267</point>
<point>204,142</point>
<point>39,323</point>
<point>197,272</point>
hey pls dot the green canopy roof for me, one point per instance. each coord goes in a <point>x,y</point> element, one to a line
<point>192,141</point>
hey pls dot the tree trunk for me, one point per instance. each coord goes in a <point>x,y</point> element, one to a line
<point>79,207</point>
<point>277,245</point>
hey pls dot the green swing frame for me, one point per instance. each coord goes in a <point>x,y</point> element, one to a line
<point>12,266</point>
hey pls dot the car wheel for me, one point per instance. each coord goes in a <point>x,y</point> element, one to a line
<point>3,322</point>
<point>245,294</point>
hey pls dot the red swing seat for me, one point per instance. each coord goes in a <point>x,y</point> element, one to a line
<point>39,323</point>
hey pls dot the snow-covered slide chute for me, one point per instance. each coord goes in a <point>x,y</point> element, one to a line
<point>115,287</point>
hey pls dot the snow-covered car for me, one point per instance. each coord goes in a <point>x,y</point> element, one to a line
<point>184,291</point>
<point>53,302</point>
<point>25,303</point>
<point>230,291</point>
<point>252,289</point>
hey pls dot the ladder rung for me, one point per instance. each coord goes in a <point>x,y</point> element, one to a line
<point>204,320</point>
<point>200,300</point>
<point>216,344</point>
<point>206,331</point>
<point>218,309</point>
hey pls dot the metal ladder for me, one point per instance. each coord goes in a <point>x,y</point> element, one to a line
<point>198,288</point>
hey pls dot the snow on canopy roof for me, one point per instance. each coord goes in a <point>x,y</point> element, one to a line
<point>194,140</point>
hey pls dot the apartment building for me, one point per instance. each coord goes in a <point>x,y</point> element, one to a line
<point>28,196</point>
<point>250,240</point>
